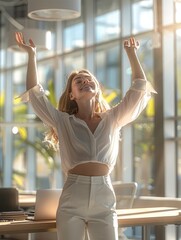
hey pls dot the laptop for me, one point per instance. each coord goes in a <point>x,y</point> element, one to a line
<point>46,204</point>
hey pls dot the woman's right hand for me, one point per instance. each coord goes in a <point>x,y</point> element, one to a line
<point>29,48</point>
<point>131,46</point>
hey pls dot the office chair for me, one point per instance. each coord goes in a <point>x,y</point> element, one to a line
<point>125,194</point>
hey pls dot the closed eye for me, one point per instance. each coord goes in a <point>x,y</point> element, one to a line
<point>78,80</point>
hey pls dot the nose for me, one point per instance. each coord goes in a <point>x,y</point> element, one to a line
<point>85,80</point>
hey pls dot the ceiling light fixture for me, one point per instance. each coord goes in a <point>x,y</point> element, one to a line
<point>41,38</point>
<point>54,10</point>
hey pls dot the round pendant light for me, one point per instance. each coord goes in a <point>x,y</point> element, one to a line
<point>54,10</point>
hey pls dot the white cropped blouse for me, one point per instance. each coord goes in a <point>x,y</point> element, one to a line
<point>77,143</point>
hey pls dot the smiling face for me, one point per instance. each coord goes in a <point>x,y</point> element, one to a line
<point>83,86</point>
<point>74,88</point>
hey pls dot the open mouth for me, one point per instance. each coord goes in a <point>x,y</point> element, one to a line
<point>86,87</point>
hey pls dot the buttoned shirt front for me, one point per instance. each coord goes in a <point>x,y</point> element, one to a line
<point>76,142</point>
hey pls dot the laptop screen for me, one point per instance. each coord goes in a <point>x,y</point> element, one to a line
<point>46,205</point>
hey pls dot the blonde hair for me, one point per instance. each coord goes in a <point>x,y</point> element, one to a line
<point>69,106</point>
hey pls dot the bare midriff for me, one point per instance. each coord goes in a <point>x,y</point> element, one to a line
<point>90,169</point>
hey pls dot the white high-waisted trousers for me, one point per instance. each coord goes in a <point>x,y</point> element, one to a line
<point>87,204</point>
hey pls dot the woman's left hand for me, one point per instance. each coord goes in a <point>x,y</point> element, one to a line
<point>131,45</point>
<point>29,48</point>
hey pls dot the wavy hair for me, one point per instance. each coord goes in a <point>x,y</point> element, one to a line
<point>69,106</point>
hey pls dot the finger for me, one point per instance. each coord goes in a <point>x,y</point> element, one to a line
<point>16,37</point>
<point>126,43</point>
<point>19,37</point>
<point>22,38</point>
<point>132,42</point>
<point>31,43</point>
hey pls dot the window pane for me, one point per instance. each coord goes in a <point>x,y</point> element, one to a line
<point>28,132</point>
<point>74,32</point>
<point>41,161</point>
<point>179,129</point>
<point>107,72</point>
<point>178,62</point>
<point>74,36</point>
<point>178,99</point>
<point>3,57</point>
<point>145,54</point>
<point>144,157</point>
<point>107,20</point>
<point>2,97</point>
<point>179,167</point>
<point>1,155</point>
<point>72,62</point>
<point>142,16</point>
<point>177,12</point>
<point>143,129</point>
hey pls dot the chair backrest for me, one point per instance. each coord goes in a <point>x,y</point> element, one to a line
<point>125,194</point>
<point>9,199</point>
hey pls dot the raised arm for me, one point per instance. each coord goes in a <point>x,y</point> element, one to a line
<point>35,93</point>
<point>138,95</point>
<point>32,77</point>
<point>131,47</point>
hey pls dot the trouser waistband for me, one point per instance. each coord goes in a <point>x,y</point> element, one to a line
<point>89,179</point>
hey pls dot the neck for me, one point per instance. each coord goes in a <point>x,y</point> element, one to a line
<point>85,114</point>
<point>86,110</point>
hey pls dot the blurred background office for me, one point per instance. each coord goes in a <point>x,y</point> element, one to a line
<point>150,148</point>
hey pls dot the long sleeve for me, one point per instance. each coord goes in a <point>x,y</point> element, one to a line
<point>133,103</point>
<point>41,105</point>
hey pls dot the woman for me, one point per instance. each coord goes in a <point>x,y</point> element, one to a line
<point>87,132</point>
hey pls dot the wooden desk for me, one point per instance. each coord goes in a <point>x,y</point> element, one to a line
<point>147,217</point>
<point>126,218</point>
<point>27,227</point>
<point>132,211</point>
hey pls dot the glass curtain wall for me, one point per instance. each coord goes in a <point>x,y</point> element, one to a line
<point>143,128</point>
<point>23,162</point>
<point>95,41</point>
<point>178,94</point>
<point>150,149</point>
